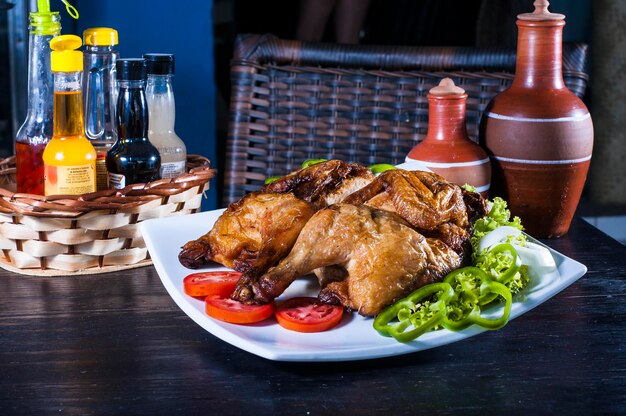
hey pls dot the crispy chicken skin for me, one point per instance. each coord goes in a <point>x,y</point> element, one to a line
<point>324,183</point>
<point>424,199</point>
<point>433,206</point>
<point>258,230</point>
<point>253,233</point>
<point>476,205</point>
<point>393,234</point>
<point>365,259</point>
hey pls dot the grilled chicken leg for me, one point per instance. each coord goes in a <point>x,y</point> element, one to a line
<point>252,234</point>
<point>365,259</point>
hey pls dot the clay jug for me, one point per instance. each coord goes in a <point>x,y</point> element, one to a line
<point>538,134</point>
<point>447,150</point>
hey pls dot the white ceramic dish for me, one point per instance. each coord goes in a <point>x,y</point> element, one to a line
<point>353,339</point>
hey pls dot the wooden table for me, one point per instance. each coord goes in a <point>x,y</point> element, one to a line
<point>117,344</point>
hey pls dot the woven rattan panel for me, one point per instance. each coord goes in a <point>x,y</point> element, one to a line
<point>282,115</point>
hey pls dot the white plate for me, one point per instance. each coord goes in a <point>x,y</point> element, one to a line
<point>353,339</point>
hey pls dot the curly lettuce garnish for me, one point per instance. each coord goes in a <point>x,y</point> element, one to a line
<point>493,262</point>
<point>498,216</point>
<point>468,187</point>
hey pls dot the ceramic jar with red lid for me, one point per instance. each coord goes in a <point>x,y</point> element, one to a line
<point>447,150</point>
<point>538,133</point>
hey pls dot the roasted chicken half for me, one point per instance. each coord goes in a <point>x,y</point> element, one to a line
<point>365,259</point>
<point>260,229</point>
<point>432,205</point>
<point>253,233</point>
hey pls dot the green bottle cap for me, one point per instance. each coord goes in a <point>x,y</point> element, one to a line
<point>45,22</point>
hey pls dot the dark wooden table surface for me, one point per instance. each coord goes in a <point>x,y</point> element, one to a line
<point>117,344</point>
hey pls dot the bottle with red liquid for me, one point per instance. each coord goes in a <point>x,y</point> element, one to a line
<point>34,134</point>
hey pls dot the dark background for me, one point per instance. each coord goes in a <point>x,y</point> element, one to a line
<point>201,34</point>
<point>388,22</point>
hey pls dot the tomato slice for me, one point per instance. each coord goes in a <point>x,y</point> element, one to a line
<point>308,315</point>
<point>228,310</point>
<point>211,283</point>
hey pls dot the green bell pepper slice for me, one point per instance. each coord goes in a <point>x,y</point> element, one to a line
<point>311,162</point>
<point>474,317</point>
<point>381,167</point>
<point>404,309</point>
<point>509,273</point>
<point>469,288</point>
<point>272,179</point>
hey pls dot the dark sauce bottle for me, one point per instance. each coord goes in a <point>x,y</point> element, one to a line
<point>132,159</point>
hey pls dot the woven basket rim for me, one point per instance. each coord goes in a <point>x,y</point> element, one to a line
<point>131,196</point>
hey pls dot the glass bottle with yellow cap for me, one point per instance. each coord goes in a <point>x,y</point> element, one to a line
<point>69,158</point>
<point>99,94</point>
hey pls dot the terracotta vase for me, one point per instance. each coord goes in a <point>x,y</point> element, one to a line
<point>538,134</point>
<point>447,150</point>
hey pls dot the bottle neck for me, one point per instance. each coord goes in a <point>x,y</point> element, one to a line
<point>68,105</point>
<point>446,117</point>
<point>68,81</point>
<point>161,103</point>
<point>40,79</point>
<point>100,55</point>
<point>132,111</point>
<point>539,55</point>
<point>99,49</point>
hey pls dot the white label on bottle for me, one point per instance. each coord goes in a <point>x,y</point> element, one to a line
<point>70,180</point>
<point>116,181</point>
<point>172,169</point>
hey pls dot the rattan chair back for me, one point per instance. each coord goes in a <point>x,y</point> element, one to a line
<point>293,101</point>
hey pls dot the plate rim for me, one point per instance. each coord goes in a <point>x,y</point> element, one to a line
<point>218,329</point>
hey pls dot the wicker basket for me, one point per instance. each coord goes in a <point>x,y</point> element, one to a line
<point>91,233</point>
